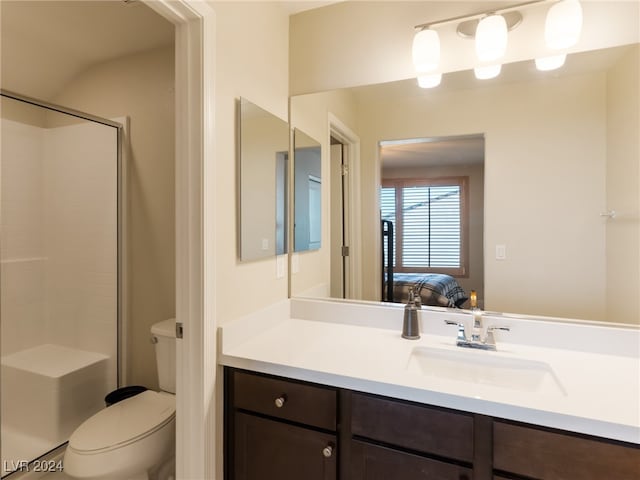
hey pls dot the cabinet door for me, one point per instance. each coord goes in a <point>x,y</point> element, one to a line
<point>372,462</point>
<point>272,450</point>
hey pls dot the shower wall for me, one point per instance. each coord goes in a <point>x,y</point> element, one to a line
<point>22,252</point>
<point>59,276</point>
<point>59,236</point>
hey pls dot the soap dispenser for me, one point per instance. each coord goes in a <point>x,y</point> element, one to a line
<point>410,327</point>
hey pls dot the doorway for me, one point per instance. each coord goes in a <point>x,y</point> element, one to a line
<point>345,228</point>
<point>432,192</point>
<point>339,218</point>
<point>195,42</point>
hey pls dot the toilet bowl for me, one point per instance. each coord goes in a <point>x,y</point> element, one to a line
<point>133,439</point>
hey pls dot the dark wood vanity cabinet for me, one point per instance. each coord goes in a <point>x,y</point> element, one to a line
<point>373,462</point>
<point>523,450</point>
<point>396,439</point>
<point>279,429</point>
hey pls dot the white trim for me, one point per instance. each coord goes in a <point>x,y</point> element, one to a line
<point>374,219</point>
<point>351,142</point>
<point>195,211</point>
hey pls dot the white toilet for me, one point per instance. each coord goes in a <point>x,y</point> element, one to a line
<point>133,439</point>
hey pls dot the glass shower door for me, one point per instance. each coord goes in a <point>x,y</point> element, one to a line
<point>59,276</point>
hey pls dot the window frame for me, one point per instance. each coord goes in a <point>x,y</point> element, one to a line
<point>399,184</point>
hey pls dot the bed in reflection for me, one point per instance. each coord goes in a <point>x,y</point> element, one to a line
<point>434,289</point>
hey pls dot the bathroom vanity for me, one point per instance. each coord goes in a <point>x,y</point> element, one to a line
<point>349,399</point>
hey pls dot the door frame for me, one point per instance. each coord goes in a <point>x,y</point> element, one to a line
<point>351,151</point>
<point>196,413</point>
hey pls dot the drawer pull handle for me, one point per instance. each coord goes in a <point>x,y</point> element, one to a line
<point>280,401</point>
<point>327,451</point>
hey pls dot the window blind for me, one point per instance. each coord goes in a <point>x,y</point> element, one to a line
<point>431,224</point>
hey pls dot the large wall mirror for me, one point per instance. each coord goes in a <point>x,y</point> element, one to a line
<point>263,157</point>
<point>559,182</point>
<point>307,208</point>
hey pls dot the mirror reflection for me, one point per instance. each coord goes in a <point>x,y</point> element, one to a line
<point>263,159</point>
<point>307,228</point>
<point>561,155</point>
<point>431,208</point>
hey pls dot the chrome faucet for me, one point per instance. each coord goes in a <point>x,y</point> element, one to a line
<point>478,338</point>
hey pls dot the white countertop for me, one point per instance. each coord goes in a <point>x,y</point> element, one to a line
<point>593,388</point>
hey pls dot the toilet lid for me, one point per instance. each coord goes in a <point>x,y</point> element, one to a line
<point>124,422</point>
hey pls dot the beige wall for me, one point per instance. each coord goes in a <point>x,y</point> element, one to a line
<point>141,87</point>
<point>310,113</point>
<point>623,196</point>
<point>545,153</point>
<point>252,42</point>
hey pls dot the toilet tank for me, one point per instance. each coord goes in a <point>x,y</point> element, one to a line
<point>164,338</point>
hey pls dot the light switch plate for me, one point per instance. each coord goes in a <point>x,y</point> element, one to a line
<point>501,252</point>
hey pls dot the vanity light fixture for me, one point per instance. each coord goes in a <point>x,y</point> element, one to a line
<point>563,24</point>
<point>486,72</point>
<point>562,29</point>
<point>491,38</point>
<point>426,51</point>
<point>552,62</point>
<point>429,80</point>
<point>426,57</point>
<point>490,30</point>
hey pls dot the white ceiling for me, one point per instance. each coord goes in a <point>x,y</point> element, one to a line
<point>433,152</point>
<point>56,40</point>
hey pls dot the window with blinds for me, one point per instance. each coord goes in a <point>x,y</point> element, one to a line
<point>430,223</point>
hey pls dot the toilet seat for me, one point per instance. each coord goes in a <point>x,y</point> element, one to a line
<point>124,423</point>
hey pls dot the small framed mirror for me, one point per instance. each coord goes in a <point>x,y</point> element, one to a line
<point>263,158</point>
<point>307,227</point>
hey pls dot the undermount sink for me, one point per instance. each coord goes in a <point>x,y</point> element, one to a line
<point>486,368</point>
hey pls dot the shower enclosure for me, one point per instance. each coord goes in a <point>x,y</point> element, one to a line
<point>59,271</point>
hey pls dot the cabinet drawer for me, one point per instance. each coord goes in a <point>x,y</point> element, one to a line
<point>420,428</point>
<point>298,402</point>
<point>372,462</point>
<point>551,455</point>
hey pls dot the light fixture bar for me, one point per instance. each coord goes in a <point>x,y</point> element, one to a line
<point>478,15</point>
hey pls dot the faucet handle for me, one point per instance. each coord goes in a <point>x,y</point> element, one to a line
<point>490,339</point>
<point>498,327</point>
<point>462,334</point>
